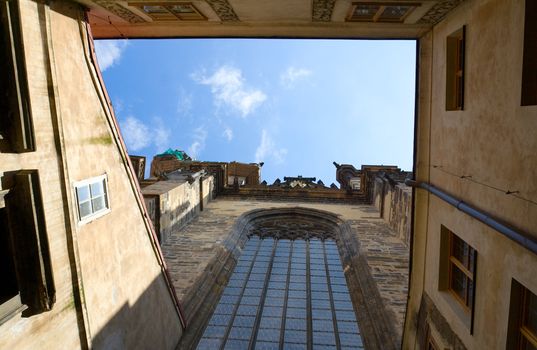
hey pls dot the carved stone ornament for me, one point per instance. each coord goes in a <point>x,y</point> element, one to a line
<point>291,227</point>
<point>224,10</point>
<point>322,10</point>
<point>439,11</point>
<point>120,11</point>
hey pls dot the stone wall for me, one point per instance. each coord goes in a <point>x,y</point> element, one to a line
<point>172,204</point>
<point>317,195</point>
<point>394,202</point>
<point>202,255</point>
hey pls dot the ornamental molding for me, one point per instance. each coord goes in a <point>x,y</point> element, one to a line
<point>439,11</point>
<point>224,10</point>
<point>292,227</point>
<point>322,10</point>
<point>120,11</point>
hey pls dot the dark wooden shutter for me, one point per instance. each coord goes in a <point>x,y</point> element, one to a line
<point>32,257</point>
<point>16,126</point>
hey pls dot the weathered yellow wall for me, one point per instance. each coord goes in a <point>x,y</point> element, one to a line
<point>493,140</point>
<point>127,302</point>
<point>46,330</point>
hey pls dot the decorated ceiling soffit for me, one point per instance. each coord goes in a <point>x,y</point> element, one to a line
<point>120,11</point>
<point>224,10</point>
<point>221,7</point>
<point>439,11</point>
<point>322,10</point>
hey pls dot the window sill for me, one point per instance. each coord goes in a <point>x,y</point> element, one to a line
<point>11,308</point>
<point>93,217</point>
<point>462,313</point>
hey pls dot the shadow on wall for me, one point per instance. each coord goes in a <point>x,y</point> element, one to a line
<point>150,323</point>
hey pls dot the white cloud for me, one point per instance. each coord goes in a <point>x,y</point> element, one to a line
<point>267,149</point>
<point>228,134</point>
<point>138,135</point>
<point>292,74</point>
<point>109,52</point>
<point>200,135</point>
<point>184,102</point>
<point>228,88</point>
<point>118,105</point>
<point>161,135</point>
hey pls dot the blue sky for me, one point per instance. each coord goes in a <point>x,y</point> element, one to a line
<point>296,105</point>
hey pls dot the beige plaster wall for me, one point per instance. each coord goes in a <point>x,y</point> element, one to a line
<point>421,198</point>
<point>127,302</point>
<point>499,261</point>
<point>55,329</point>
<point>493,140</point>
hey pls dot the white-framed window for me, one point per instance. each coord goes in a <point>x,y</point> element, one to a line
<point>92,198</point>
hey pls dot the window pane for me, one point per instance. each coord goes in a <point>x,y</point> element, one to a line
<point>85,209</point>
<point>98,204</point>
<point>458,282</point>
<point>365,12</point>
<point>97,189</point>
<point>83,193</point>
<point>470,292</point>
<point>471,262</point>
<point>154,9</point>
<point>303,293</point>
<point>182,8</point>
<point>9,287</point>
<point>395,12</point>
<point>463,252</point>
<point>526,345</point>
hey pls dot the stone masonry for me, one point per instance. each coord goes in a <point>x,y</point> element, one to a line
<point>193,250</point>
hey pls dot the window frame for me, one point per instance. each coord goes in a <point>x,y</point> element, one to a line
<point>468,271</point>
<point>382,6</point>
<point>524,333</point>
<point>94,214</point>
<point>169,14</point>
<point>455,67</point>
<point>529,55</point>
<point>13,305</point>
<point>431,343</point>
<point>30,251</point>
<point>16,127</point>
<point>463,309</point>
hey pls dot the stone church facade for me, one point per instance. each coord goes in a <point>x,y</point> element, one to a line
<point>82,263</point>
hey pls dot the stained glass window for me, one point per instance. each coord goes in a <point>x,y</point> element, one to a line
<point>283,293</point>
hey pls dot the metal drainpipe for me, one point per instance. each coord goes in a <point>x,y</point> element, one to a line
<point>511,233</point>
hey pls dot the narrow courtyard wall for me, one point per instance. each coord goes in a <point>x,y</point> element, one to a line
<point>394,202</point>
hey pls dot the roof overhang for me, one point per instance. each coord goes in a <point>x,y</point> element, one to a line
<point>112,19</point>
